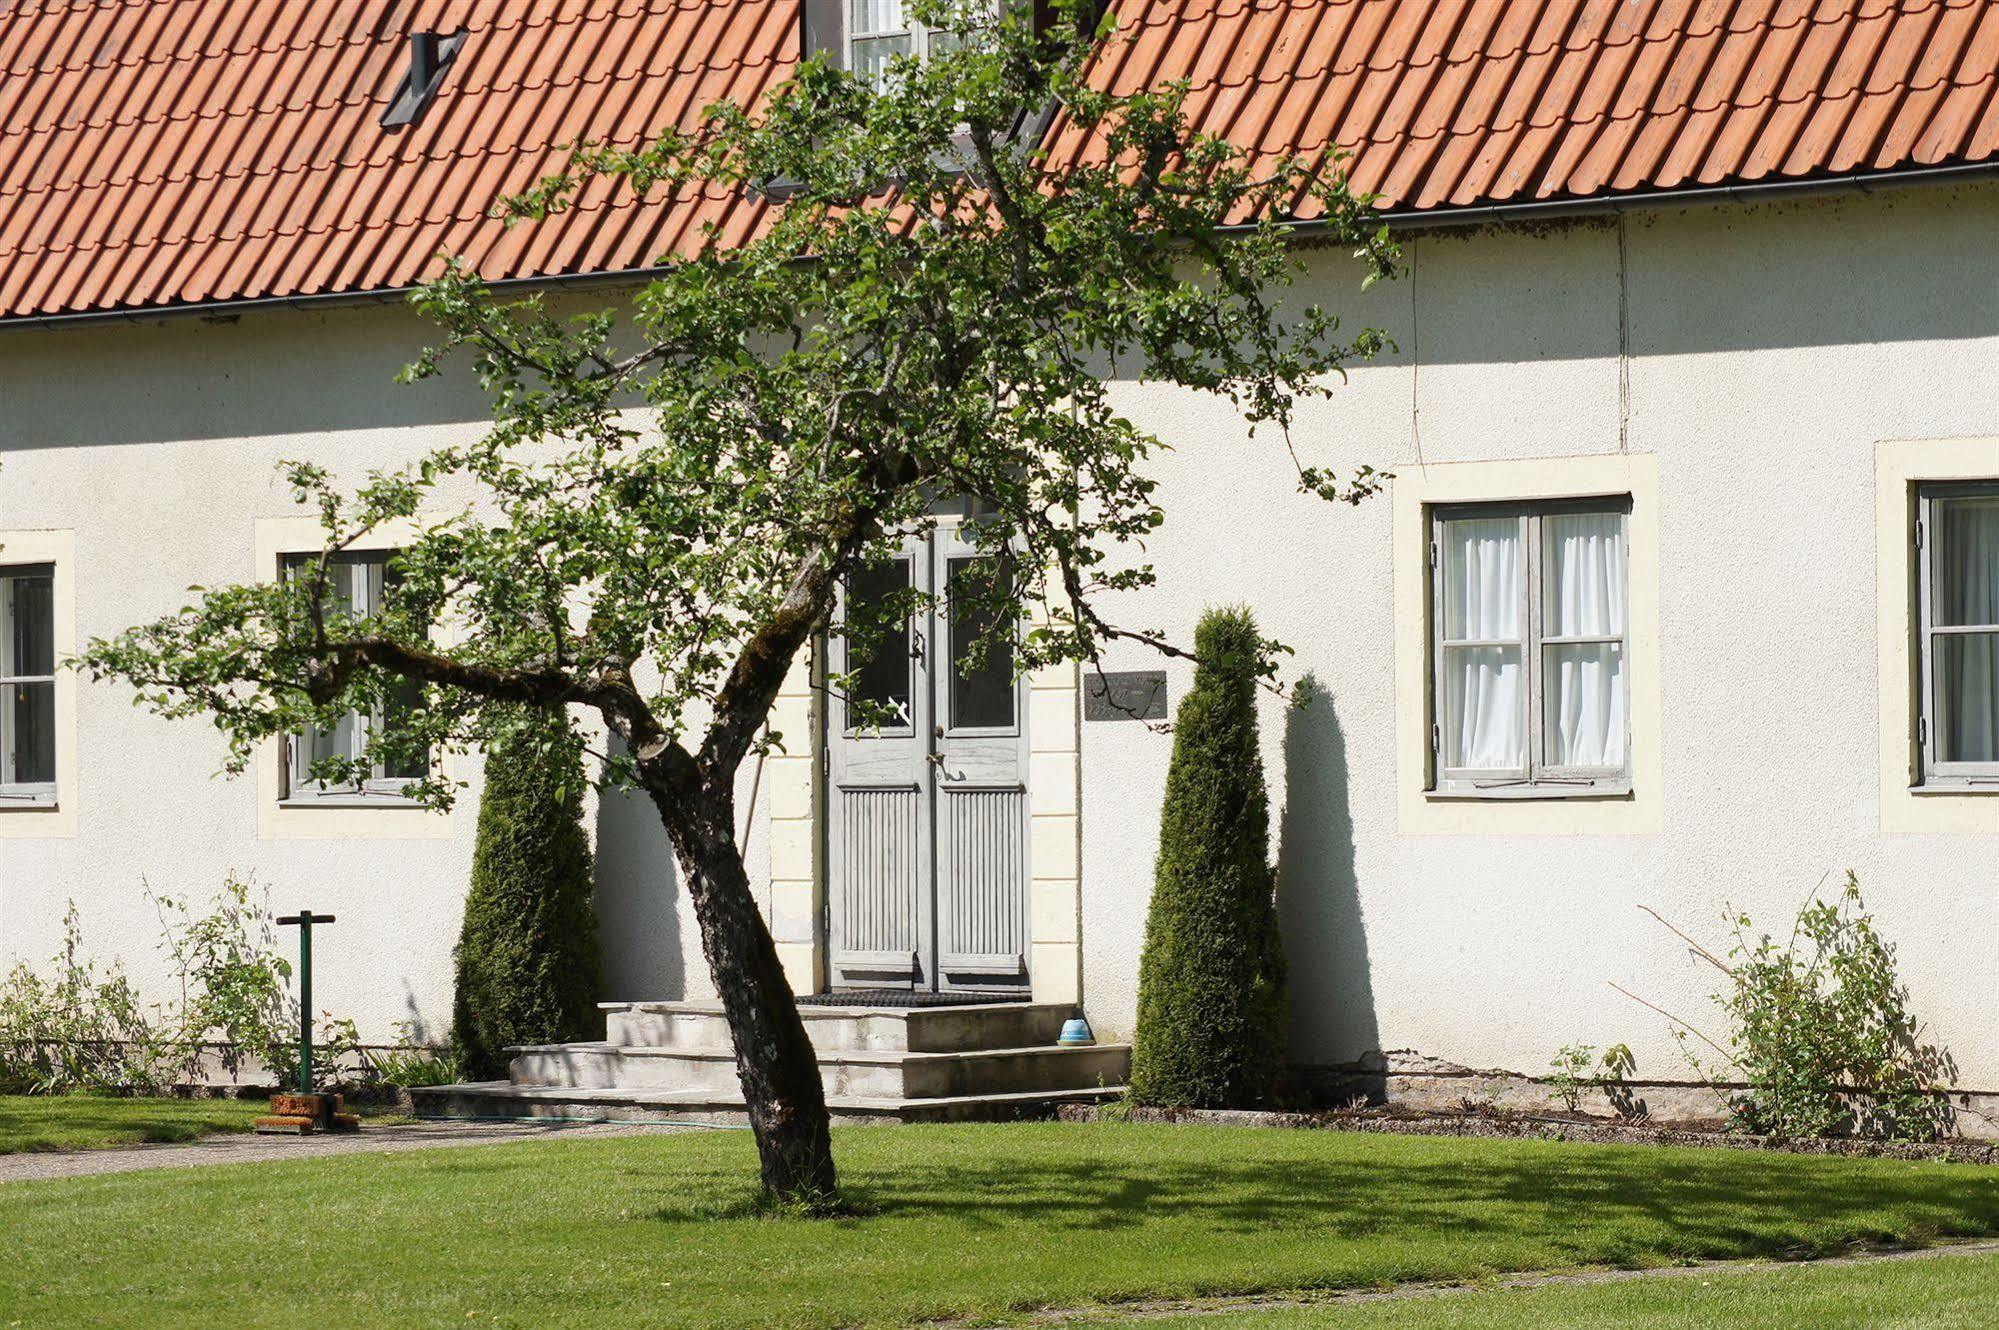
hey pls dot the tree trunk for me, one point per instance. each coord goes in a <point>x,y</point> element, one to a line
<point>774,1058</point>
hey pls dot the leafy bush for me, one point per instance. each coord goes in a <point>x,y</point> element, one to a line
<point>1211,978</point>
<point>80,1029</point>
<point>87,1029</point>
<point>529,967</point>
<point>1820,1032</point>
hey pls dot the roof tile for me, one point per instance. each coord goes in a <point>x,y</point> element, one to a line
<point>164,152</point>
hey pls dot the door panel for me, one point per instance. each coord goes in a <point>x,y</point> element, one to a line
<point>982,849</point>
<point>927,849</point>
<point>877,799</point>
<point>980,770</point>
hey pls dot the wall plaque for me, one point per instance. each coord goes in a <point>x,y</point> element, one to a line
<point>1124,695</point>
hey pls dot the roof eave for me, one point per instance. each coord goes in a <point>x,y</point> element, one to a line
<point>1485,214</point>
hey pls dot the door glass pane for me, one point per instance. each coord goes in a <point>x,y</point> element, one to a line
<point>1582,575</point>
<point>982,691</point>
<point>1966,561</point>
<point>881,669</point>
<point>1484,709</point>
<point>30,735</point>
<point>1482,572</point>
<point>1967,683</point>
<point>1583,705</point>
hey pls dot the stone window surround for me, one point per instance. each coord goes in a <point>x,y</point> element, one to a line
<point>1417,489</point>
<point>42,819</point>
<point>1901,466</point>
<point>277,819</point>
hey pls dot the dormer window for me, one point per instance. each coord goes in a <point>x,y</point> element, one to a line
<point>878,31</point>
<point>867,36</point>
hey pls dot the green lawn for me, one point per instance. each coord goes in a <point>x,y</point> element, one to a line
<point>1954,1294</point>
<point>641,1231</point>
<point>85,1122</point>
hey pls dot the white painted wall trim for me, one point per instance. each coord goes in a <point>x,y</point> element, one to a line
<point>1421,487</point>
<point>1900,465</point>
<point>44,820</point>
<point>277,537</point>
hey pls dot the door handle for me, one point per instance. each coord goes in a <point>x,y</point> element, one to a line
<point>935,760</point>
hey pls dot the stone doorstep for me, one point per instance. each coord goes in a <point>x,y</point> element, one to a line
<point>724,1107</point>
<point>854,1072</point>
<point>939,1029</point>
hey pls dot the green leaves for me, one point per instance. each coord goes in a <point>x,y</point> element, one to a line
<point>669,491</point>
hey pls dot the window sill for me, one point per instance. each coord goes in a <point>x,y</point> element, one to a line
<point>1606,793</point>
<point>27,803</point>
<point>387,802</point>
<point>1935,787</point>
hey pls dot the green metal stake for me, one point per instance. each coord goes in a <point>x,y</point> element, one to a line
<point>305,919</point>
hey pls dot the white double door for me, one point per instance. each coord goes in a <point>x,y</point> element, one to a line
<point>927,856</point>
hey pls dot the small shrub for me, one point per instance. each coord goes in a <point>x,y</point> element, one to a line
<point>1569,1074</point>
<point>411,1063</point>
<point>1576,1070</point>
<point>528,963</point>
<point>1820,1033</point>
<point>1211,978</point>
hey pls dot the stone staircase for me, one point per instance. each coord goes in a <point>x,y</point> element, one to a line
<point>672,1061</point>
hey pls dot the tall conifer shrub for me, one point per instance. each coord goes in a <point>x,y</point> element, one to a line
<point>1211,980</point>
<point>528,959</point>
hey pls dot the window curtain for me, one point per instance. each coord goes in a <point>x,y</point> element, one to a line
<point>1967,664</point>
<point>1484,685</point>
<point>1583,595</point>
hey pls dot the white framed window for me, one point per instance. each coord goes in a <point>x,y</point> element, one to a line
<point>878,31</point>
<point>1957,618</point>
<point>356,583</point>
<point>27,685</point>
<point>1530,623</point>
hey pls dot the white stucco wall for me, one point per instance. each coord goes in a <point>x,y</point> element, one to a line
<point>1766,352</point>
<point>157,445</point>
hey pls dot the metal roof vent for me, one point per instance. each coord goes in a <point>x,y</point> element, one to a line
<point>430,54</point>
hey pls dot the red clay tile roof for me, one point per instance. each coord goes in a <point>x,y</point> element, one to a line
<point>159,153</point>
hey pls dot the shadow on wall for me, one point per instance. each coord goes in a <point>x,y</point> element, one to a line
<point>638,902</point>
<point>1318,895</point>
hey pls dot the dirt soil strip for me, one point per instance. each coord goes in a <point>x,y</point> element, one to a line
<point>243,1148</point>
<point>1172,1309</point>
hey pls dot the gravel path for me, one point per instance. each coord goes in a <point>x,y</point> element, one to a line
<point>247,1148</point>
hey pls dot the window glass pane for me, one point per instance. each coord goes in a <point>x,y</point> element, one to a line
<point>982,694</point>
<point>876,16</point>
<point>872,55</point>
<point>1967,684</point>
<point>29,733</point>
<point>1966,561</point>
<point>1482,572</point>
<point>28,604</point>
<point>342,740</point>
<point>882,675</point>
<point>1484,707</point>
<point>1582,574</point>
<point>1583,705</point>
<point>405,697</point>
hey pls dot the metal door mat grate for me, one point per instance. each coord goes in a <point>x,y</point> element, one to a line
<point>902,997</point>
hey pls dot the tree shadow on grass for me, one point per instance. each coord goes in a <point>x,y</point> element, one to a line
<point>1602,1204</point>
